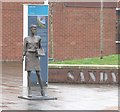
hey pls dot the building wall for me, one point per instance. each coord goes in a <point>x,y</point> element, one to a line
<point>76,32</point>
<point>12,28</point>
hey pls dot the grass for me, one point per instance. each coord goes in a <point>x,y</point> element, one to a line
<point>107,60</point>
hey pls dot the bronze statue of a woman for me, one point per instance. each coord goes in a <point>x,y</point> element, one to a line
<point>31,44</point>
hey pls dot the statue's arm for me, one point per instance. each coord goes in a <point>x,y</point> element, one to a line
<point>24,47</point>
<point>40,43</point>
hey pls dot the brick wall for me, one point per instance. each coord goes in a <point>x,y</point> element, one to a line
<point>12,28</point>
<point>76,32</point>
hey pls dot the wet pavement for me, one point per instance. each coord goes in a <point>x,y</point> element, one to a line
<point>69,96</point>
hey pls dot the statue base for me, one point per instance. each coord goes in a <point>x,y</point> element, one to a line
<point>37,98</point>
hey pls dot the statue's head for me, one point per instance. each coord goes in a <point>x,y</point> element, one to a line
<point>33,28</point>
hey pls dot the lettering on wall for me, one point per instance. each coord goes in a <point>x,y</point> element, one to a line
<point>93,76</point>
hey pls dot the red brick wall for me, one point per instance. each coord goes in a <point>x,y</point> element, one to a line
<point>76,32</point>
<point>12,28</point>
<point>0,32</point>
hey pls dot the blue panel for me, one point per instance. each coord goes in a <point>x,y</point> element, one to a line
<point>31,20</point>
<point>37,10</point>
<point>44,45</point>
<point>38,15</point>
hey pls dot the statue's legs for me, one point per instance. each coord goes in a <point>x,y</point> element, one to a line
<point>40,83</point>
<point>29,85</point>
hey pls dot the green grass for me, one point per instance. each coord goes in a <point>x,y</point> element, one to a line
<point>107,60</point>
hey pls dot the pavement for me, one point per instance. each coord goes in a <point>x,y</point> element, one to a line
<point>69,96</point>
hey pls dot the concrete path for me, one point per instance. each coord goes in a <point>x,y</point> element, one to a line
<point>70,97</point>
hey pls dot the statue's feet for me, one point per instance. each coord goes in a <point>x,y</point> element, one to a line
<point>29,92</point>
<point>29,95</point>
<point>43,93</point>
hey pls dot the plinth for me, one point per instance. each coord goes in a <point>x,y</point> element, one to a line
<point>37,97</point>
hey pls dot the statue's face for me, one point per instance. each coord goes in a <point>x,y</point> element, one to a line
<point>33,30</point>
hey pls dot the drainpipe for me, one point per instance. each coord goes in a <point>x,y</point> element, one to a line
<point>101,30</point>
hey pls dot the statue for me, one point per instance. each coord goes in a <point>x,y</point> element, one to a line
<point>32,44</point>
<point>32,50</point>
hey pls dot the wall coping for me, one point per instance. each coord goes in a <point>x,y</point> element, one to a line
<point>59,66</point>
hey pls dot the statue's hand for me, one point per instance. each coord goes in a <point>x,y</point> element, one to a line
<point>22,59</point>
